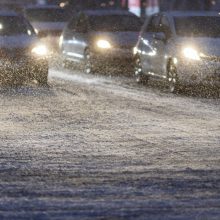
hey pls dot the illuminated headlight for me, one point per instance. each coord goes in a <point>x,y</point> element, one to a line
<point>104,44</point>
<point>40,50</point>
<point>191,53</point>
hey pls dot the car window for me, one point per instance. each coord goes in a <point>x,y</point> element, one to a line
<point>153,24</point>
<point>164,26</point>
<point>14,25</point>
<point>197,26</point>
<point>115,23</point>
<point>46,15</point>
<point>72,23</point>
<point>81,24</point>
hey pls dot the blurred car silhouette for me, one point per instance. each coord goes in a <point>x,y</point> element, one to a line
<point>181,48</point>
<point>48,22</point>
<point>98,38</point>
<point>22,55</point>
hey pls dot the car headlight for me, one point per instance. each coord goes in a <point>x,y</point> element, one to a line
<point>104,44</point>
<point>191,53</point>
<point>40,50</point>
<point>36,30</point>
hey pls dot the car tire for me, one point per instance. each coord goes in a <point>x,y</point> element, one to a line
<point>88,63</point>
<point>172,78</point>
<point>140,78</point>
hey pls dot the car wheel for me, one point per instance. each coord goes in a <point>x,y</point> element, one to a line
<point>138,72</point>
<point>172,78</point>
<point>88,64</point>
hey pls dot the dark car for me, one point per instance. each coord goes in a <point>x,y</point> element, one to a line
<point>100,37</point>
<point>181,48</point>
<point>48,22</point>
<point>22,55</point>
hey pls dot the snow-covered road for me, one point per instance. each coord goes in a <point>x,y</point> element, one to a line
<point>97,147</point>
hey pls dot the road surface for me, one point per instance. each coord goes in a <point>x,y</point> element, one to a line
<point>100,147</point>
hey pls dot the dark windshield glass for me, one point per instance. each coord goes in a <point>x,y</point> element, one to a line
<point>115,23</point>
<point>197,26</point>
<point>46,15</point>
<point>14,25</point>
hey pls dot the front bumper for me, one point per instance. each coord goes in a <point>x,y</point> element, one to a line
<point>200,72</point>
<point>113,56</point>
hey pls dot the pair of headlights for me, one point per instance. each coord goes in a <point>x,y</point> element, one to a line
<point>41,50</point>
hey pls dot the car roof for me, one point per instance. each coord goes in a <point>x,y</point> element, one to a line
<point>191,13</point>
<point>8,13</point>
<point>104,12</point>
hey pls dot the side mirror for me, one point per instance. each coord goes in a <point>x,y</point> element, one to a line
<point>159,36</point>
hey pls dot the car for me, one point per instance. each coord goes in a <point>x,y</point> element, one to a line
<point>181,48</point>
<point>99,38</point>
<point>22,55</point>
<point>48,22</point>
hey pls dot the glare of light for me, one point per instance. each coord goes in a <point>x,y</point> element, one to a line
<point>62,4</point>
<point>36,31</point>
<point>191,53</point>
<point>135,50</point>
<point>146,42</point>
<point>40,50</point>
<point>60,41</point>
<point>29,32</point>
<point>152,53</point>
<point>1,26</point>
<point>175,61</point>
<point>104,44</point>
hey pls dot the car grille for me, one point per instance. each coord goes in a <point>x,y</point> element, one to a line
<point>49,33</point>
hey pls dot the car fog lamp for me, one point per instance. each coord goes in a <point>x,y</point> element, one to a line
<point>104,44</point>
<point>40,50</point>
<point>191,53</point>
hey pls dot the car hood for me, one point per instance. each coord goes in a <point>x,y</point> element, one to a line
<point>118,39</point>
<point>21,41</point>
<point>43,26</point>
<point>205,45</point>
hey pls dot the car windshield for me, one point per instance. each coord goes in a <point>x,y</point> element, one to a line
<point>14,25</point>
<point>197,26</point>
<point>115,23</point>
<point>46,15</point>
